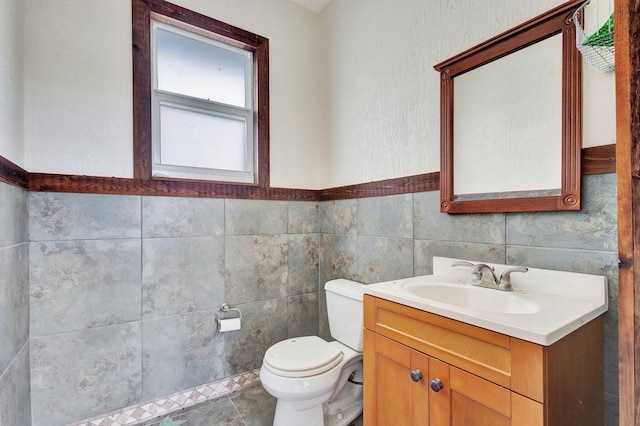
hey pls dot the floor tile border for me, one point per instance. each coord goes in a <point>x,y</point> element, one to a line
<point>162,406</point>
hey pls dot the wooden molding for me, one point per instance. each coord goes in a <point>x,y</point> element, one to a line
<point>596,160</point>
<point>164,187</point>
<point>627,58</point>
<point>12,174</point>
<point>403,185</point>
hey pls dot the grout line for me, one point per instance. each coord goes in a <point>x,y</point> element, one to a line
<point>238,411</point>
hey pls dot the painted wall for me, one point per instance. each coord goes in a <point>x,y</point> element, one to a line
<point>11,81</point>
<point>354,97</point>
<point>382,94</point>
<point>78,89</point>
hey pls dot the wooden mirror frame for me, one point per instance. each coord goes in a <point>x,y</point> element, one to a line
<point>556,21</point>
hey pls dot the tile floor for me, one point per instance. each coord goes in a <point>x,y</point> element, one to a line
<point>236,401</point>
<point>251,406</point>
<point>177,402</point>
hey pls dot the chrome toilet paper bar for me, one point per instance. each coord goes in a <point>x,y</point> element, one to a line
<point>226,308</point>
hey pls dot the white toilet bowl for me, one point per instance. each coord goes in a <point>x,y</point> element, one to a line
<point>319,383</point>
<point>315,386</point>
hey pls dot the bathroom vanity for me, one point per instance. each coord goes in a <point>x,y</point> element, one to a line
<point>432,364</point>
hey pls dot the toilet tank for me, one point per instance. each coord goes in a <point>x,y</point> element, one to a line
<point>345,311</point>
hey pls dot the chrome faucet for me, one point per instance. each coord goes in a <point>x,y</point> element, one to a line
<point>484,276</point>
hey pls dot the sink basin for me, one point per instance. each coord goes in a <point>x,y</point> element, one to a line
<point>544,306</point>
<point>471,297</point>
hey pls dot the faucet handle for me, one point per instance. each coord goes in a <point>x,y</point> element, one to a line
<point>505,278</point>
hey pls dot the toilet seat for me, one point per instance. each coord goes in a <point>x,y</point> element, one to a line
<point>302,357</point>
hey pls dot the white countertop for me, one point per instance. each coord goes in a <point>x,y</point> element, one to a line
<point>563,300</point>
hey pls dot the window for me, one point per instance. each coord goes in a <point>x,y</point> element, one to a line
<point>200,97</point>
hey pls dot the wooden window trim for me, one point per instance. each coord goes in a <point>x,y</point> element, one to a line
<point>142,126</point>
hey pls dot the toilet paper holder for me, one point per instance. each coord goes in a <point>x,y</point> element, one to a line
<point>229,323</point>
<point>226,308</point>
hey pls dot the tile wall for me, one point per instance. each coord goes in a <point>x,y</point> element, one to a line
<point>15,399</point>
<point>124,290</point>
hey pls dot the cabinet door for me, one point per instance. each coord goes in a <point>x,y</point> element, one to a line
<point>395,389</point>
<point>440,394</point>
<point>475,401</point>
<point>478,402</point>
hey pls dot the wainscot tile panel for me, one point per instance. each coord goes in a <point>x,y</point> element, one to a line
<point>14,302</point>
<point>13,215</point>
<point>247,217</point>
<point>424,250</point>
<point>384,259</point>
<point>303,217</point>
<point>594,227</point>
<point>302,318</point>
<point>277,257</point>
<point>82,284</point>
<point>180,352</point>
<point>15,391</point>
<point>338,257</point>
<point>389,216</point>
<point>431,224</point>
<point>80,374</point>
<point>339,217</point>
<point>264,323</point>
<point>303,254</point>
<point>256,268</point>
<point>61,216</point>
<point>182,217</point>
<point>182,274</point>
<point>87,272</point>
<point>583,261</point>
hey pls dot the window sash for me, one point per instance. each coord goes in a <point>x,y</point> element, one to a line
<point>246,115</point>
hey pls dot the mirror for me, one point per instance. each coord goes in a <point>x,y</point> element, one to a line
<point>510,120</point>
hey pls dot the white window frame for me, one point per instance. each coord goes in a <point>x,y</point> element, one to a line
<point>245,114</point>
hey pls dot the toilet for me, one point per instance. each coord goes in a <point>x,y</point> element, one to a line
<point>319,383</point>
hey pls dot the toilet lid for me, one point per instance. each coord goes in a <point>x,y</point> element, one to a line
<point>301,357</point>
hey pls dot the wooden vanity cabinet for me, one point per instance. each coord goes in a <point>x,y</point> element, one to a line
<point>479,377</point>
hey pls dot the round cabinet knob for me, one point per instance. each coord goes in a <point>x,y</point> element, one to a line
<point>416,375</point>
<point>436,385</point>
